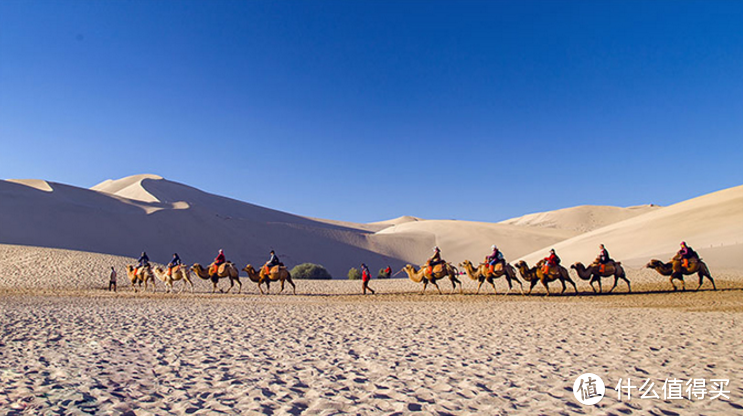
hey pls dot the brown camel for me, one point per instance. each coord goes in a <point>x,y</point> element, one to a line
<point>439,272</point>
<point>180,272</point>
<point>140,275</point>
<point>536,274</point>
<point>226,269</point>
<point>594,274</point>
<point>482,274</point>
<point>277,273</point>
<point>676,270</point>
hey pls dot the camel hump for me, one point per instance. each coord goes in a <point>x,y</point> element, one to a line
<point>438,268</point>
<point>276,269</point>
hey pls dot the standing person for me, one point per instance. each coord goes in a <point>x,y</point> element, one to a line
<point>365,277</point>
<point>112,280</point>
<point>388,272</point>
<point>174,262</point>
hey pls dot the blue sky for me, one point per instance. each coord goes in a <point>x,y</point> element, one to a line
<point>364,111</point>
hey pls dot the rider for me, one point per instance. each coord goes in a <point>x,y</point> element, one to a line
<point>273,261</point>
<point>174,262</point>
<point>434,260</point>
<point>603,258</point>
<point>218,261</point>
<point>551,260</point>
<point>687,253</point>
<point>144,261</point>
<point>494,258</point>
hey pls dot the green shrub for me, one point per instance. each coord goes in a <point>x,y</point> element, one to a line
<point>310,271</point>
<point>354,274</point>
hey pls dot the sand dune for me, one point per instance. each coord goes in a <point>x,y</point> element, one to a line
<point>712,224</point>
<point>580,219</point>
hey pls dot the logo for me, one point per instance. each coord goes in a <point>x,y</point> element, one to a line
<point>589,389</point>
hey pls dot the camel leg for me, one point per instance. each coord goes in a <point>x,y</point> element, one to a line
<point>239,286</point>
<point>670,279</point>
<point>282,286</point>
<point>294,288</point>
<point>629,288</point>
<point>576,287</point>
<point>425,284</point>
<point>520,285</point>
<point>492,283</point>
<point>710,279</point>
<point>268,287</point>
<point>544,283</point>
<point>601,289</point>
<point>592,286</point>
<point>616,280</point>
<point>437,287</point>
<point>478,287</point>
<point>533,283</point>
<point>562,281</point>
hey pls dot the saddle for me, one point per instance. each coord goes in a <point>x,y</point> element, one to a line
<point>603,268</point>
<point>550,269</point>
<point>273,269</point>
<point>214,269</point>
<point>493,268</point>
<point>439,268</point>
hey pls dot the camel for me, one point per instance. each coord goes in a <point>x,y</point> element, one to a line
<point>226,269</point>
<point>140,275</point>
<point>594,274</point>
<point>179,273</point>
<point>440,271</point>
<point>536,274</point>
<point>277,273</point>
<point>676,270</point>
<point>482,274</point>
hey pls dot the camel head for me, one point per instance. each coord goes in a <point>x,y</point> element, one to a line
<point>465,263</point>
<point>576,265</point>
<point>249,269</point>
<point>521,264</point>
<point>654,264</point>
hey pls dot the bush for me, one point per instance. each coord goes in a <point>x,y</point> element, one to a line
<point>310,271</point>
<point>354,274</point>
<point>383,275</point>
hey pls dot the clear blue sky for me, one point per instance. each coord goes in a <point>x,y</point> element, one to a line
<point>364,111</point>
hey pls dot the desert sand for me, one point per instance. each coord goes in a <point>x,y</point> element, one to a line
<point>68,346</point>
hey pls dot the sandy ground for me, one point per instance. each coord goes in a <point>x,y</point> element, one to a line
<point>329,350</point>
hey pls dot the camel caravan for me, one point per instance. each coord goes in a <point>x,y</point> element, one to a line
<point>685,262</point>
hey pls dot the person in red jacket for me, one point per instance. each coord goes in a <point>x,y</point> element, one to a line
<point>551,260</point>
<point>365,277</point>
<point>217,261</point>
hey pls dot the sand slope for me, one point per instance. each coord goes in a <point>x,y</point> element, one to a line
<point>712,224</point>
<point>580,219</point>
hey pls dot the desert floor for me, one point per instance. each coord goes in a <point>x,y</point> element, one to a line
<point>329,350</point>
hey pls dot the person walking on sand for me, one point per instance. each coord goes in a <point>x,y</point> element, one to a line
<point>112,280</point>
<point>365,277</point>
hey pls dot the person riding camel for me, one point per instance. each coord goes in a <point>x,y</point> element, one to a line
<point>144,261</point>
<point>273,261</point>
<point>217,262</point>
<point>494,258</point>
<point>174,262</point>
<point>551,260</point>
<point>434,260</point>
<point>603,258</point>
<point>686,253</point>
